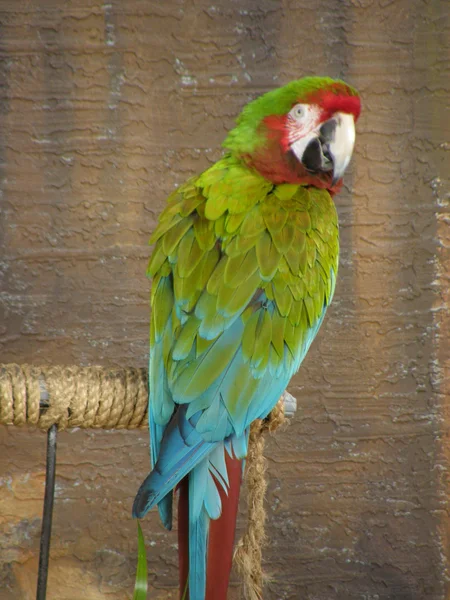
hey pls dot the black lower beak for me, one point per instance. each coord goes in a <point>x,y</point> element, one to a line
<point>316,158</point>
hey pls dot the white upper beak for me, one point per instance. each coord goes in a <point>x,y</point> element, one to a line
<point>341,146</point>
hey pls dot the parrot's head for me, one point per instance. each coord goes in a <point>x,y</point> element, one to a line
<point>303,132</point>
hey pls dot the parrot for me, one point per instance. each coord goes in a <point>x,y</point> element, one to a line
<point>243,269</point>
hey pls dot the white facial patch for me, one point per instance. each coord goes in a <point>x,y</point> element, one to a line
<point>302,123</point>
<point>301,120</point>
<point>299,147</point>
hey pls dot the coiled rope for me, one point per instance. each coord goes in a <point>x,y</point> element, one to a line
<point>99,397</point>
<point>86,397</point>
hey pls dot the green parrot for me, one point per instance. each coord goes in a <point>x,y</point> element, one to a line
<point>244,268</point>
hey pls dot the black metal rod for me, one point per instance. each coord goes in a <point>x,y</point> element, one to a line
<point>46,531</point>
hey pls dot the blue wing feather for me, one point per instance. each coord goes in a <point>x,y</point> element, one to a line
<point>158,388</point>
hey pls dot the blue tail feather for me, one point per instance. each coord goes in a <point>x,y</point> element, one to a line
<point>182,447</point>
<point>198,545</point>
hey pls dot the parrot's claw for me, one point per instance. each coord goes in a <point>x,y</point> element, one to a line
<point>290,404</point>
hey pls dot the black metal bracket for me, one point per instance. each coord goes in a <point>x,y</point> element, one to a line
<point>46,531</point>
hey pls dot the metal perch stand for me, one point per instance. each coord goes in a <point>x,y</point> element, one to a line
<point>53,398</point>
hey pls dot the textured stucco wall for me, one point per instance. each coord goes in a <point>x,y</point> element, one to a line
<point>104,109</point>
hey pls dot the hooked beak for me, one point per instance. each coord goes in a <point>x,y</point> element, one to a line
<point>330,147</point>
<point>340,146</point>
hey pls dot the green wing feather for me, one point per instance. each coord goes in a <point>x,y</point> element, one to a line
<point>243,271</point>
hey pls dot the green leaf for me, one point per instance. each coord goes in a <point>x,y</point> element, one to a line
<point>186,587</point>
<point>140,586</point>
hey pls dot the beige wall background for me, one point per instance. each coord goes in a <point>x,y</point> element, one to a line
<point>105,107</point>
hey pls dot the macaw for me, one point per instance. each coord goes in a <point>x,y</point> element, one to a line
<point>244,268</point>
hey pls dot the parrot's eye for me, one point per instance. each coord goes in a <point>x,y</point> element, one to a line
<point>298,112</point>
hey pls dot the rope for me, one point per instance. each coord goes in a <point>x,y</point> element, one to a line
<point>248,553</point>
<point>97,397</point>
<point>86,397</point>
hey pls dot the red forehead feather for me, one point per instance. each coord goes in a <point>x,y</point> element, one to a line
<point>336,100</point>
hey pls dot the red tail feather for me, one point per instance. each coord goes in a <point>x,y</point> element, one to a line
<point>221,536</point>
